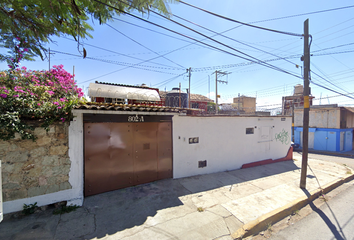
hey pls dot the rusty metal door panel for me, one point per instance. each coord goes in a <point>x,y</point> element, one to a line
<point>121,155</point>
<point>145,152</point>
<point>164,153</point>
<point>108,157</point>
<point>95,149</point>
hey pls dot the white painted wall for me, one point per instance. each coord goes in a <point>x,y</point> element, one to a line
<point>223,142</point>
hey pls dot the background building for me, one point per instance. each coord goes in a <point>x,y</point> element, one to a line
<point>126,94</point>
<point>330,127</point>
<point>289,103</point>
<point>245,104</point>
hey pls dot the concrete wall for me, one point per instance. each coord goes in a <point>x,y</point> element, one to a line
<point>319,118</point>
<point>38,171</point>
<point>350,119</point>
<point>247,104</point>
<point>224,144</point>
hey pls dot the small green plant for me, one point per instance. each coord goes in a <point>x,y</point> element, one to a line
<point>200,209</point>
<point>323,197</point>
<point>65,209</point>
<point>296,212</point>
<point>29,209</point>
<point>269,227</point>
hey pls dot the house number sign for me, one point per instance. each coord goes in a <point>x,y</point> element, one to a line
<point>136,118</point>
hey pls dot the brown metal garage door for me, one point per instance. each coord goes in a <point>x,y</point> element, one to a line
<point>119,155</point>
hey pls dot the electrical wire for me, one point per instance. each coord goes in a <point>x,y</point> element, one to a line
<point>266,65</point>
<point>329,82</point>
<point>232,39</point>
<point>112,62</point>
<point>342,45</point>
<point>144,46</point>
<point>119,63</point>
<point>168,80</point>
<point>242,23</point>
<point>326,79</point>
<point>120,54</point>
<point>271,66</point>
<point>319,85</point>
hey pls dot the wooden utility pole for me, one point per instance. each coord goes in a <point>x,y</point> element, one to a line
<point>216,88</point>
<point>216,92</point>
<point>189,88</point>
<point>293,121</point>
<point>305,133</point>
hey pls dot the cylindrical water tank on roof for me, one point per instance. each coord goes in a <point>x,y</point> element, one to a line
<point>176,98</point>
<point>298,90</point>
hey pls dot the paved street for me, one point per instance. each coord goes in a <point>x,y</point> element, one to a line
<point>334,220</point>
<point>349,161</point>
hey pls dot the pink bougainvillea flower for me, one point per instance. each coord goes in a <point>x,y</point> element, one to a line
<point>55,103</point>
<point>3,95</point>
<point>15,95</point>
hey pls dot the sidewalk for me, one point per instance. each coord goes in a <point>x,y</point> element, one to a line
<point>213,206</point>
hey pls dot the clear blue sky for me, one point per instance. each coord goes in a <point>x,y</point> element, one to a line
<point>329,30</point>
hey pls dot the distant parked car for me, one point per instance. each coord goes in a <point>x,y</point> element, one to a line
<point>295,145</point>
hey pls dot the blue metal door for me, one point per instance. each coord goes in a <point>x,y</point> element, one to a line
<point>320,140</point>
<point>332,141</point>
<point>348,141</point>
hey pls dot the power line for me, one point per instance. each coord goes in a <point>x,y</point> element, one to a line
<point>233,40</point>
<point>329,82</point>
<point>342,45</point>
<point>266,65</point>
<point>121,54</point>
<point>112,62</point>
<point>242,23</point>
<point>144,46</point>
<point>326,77</point>
<point>136,25</point>
<point>332,53</point>
<point>168,80</point>
<point>119,63</point>
<point>330,89</point>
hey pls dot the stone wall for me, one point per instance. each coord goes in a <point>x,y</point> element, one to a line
<point>35,168</point>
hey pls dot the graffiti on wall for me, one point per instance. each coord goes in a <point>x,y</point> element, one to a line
<point>283,137</point>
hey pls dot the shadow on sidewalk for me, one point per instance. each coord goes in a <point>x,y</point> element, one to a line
<point>125,208</point>
<point>108,213</point>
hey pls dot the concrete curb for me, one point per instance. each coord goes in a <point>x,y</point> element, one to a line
<point>276,215</point>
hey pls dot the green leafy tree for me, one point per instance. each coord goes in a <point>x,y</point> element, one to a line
<point>30,24</point>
